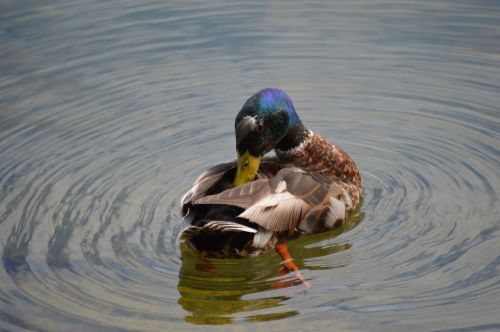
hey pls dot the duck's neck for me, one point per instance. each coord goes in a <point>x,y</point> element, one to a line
<point>316,154</point>
<point>295,137</point>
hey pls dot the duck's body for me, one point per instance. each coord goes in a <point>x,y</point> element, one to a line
<point>254,203</point>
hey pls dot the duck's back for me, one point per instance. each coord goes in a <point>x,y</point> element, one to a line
<point>216,229</point>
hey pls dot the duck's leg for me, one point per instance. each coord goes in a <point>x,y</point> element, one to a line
<point>288,264</point>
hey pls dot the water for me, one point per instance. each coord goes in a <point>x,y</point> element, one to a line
<point>109,111</point>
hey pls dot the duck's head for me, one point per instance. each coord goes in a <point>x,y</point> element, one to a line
<point>266,121</point>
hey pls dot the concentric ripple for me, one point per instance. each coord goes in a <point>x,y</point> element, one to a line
<point>109,111</point>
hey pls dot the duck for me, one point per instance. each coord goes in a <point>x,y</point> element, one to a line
<point>258,201</point>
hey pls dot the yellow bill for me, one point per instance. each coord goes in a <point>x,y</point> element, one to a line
<point>248,166</point>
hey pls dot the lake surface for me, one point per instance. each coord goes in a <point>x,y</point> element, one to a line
<point>110,110</point>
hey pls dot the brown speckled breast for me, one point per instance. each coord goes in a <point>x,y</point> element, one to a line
<point>316,154</point>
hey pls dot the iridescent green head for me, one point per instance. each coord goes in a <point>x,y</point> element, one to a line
<point>266,121</point>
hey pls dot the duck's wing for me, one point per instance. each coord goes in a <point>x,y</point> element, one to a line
<point>281,202</point>
<point>217,226</point>
<point>242,196</point>
<point>205,183</point>
<point>219,178</point>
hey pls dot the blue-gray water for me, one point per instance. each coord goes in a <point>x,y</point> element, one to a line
<point>110,109</point>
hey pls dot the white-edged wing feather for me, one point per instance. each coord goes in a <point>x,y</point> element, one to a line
<point>278,212</point>
<point>229,226</point>
<point>216,225</point>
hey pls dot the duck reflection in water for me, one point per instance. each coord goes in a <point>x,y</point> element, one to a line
<point>257,203</point>
<point>217,290</point>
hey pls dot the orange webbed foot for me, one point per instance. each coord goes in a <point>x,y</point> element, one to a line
<point>288,265</point>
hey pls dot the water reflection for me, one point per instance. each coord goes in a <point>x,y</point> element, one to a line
<point>213,290</point>
<point>219,291</point>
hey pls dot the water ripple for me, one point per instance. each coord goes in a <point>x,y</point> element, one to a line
<point>109,111</point>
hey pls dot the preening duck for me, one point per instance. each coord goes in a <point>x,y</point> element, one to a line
<point>255,202</point>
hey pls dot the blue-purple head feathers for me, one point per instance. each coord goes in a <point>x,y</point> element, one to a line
<point>272,99</point>
<point>265,120</point>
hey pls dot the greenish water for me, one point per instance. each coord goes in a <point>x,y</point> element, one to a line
<point>110,110</point>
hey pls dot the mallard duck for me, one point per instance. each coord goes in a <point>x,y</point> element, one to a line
<point>255,203</point>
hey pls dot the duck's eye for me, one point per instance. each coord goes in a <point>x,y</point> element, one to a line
<point>245,165</point>
<point>258,127</point>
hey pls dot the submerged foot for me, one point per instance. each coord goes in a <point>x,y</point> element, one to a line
<point>288,265</point>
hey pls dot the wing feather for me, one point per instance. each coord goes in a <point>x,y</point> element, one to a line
<point>277,203</point>
<point>204,183</point>
<point>278,212</point>
<point>312,190</point>
<point>243,196</point>
<point>228,226</point>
